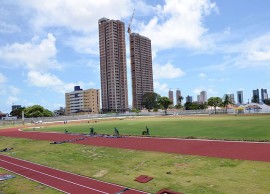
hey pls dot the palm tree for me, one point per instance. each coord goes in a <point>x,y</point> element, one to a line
<point>180,98</point>
<point>227,101</point>
<point>255,98</point>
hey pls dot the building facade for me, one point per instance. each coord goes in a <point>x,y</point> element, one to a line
<point>113,73</point>
<point>264,95</point>
<point>15,107</point>
<point>170,94</point>
<point>256,94</point>
<point>177,95</point>
<point>82,101</point>
<point>203,97</point>
<point>231,97</point>
<point>240,97</point>
<point>141,68</point>
<point>189,99</point>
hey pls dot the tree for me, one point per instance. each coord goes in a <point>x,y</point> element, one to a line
<point>37,111</point>
<point>17,113</point>
<point>178,106</point>
<point>227,101</point>
<point>195,106</point>
<point>188,105</point>
<point>150,100</point>
<point>267,102</point>
<point>255,98</point>
<point>180,98</point>
<point>165,102</point>
<point>214,101</point>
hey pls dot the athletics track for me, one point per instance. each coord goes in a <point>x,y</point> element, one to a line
<point>256,151</point>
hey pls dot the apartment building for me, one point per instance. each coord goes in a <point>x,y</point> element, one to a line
<point>82,101</point>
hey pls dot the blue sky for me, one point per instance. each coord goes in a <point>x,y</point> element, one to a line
<point>47,47</point>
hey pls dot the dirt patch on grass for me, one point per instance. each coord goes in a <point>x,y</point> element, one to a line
<point>100,173</point>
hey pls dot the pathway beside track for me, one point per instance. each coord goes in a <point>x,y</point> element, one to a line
<point>61,180</point>
<point>223,149</point>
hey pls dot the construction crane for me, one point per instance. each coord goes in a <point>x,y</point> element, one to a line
<point>129,29</point>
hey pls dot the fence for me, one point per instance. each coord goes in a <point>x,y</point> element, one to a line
<point>130,114</point>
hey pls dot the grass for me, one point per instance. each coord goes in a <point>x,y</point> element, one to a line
<point>253,128</point>
<point>22,185</point>
<point>187,174</point>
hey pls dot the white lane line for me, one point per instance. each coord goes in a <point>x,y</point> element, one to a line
<point>55,177</point>
<point>74,174</point>
<point>34,180</point>
<point>211,140</point>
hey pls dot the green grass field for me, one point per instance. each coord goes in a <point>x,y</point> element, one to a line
<point>188,174</point>
<point>253,128</point>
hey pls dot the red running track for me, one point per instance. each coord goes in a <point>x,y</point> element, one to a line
<point>60,180</point>
<point>255,151</point>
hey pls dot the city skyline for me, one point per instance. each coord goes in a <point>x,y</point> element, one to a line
<point>49,47</point>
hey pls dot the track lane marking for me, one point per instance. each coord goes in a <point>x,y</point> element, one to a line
<point>72,173</point>
<point>54,177</point>
<point>34,180</point>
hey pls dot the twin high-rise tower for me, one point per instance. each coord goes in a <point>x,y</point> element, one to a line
<point>141,68</point>
<point>113,74</point>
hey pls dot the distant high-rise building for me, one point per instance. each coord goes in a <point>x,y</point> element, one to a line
<point>264,95</point>
<point>113,73</point>
<point>257,94</point>
<point>189,99</point>
<point>82,101</point>
<point>231,97</point>
<point>178,94</point>
<point>141,68</point>
<point>240,97</point>
<point>203,97</point>
<point>171,96</point>
<point>198,98</point>
<point>15,107</point>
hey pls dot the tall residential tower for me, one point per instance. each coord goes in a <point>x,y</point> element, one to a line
<point>170,94</point>
<point>113,73</point>
<point>178,94</point>
<point>240,97</point>
<point>141,68</point>
<point>264,95</point>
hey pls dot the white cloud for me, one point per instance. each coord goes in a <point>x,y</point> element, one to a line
<point>197,91</point>
<point>227,31</point>
<point>161,88</point>
<point>259,49</point>
<point>13,90</point>
<point>50,81</point>
<point>32,55</point>
<point>211,92</point>
<point>11,100</point>
<point>84,44</point>
<point>81,16</point>
<point>3,79</point>
<point>6,28</point>
<point>202,75</point>
<point>167,71</point>
<point>178,24</point>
